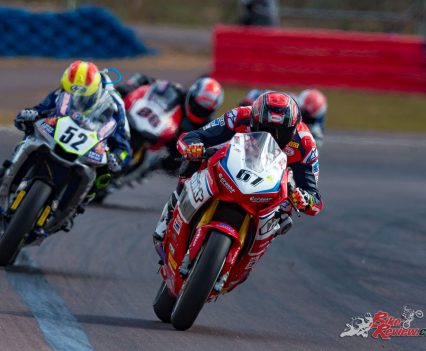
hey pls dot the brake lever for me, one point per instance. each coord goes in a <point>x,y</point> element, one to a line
<point>295,208</point>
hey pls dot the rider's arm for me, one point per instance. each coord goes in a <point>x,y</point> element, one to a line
<point>305,177</point>
<point>306,173</point>
<point>219,130</point>
<point>119,142</point>
<point>48,103</point>
<point>134,82</point>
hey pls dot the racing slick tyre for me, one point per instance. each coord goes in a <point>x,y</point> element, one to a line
<point>23,221</point>
<point>164,303</point>
<point>201,280</point>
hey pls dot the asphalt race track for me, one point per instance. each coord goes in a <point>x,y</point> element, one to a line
<point>92,288</point>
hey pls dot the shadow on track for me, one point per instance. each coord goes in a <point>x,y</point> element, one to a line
<point>125,208</point>
<point>34,271</point>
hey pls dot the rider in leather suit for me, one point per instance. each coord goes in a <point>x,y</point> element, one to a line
<point>273,112</point>
<point>198,104</point>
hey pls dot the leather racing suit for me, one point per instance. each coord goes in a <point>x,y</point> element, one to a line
<point>301,151</point>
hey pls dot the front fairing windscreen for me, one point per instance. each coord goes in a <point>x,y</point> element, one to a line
<point>164,95</point>
<point>255,163</point>
<point>93,116</point>
<point>260,151</point>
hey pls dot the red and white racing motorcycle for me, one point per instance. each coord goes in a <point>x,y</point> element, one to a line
<point>154,116</point>
<point>227,215</point>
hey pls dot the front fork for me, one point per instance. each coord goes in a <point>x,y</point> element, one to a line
<point>20,193</point>
<point>204,227</point>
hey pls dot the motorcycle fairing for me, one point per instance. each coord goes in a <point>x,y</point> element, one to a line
<point>254,234</point>
<point>73,138</point>
<point>249,170</point>
<point>154,117</point>
<point>196,193</point>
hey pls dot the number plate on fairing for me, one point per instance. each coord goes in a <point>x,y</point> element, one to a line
<point>74,139</point>
<point>153,113</point>
<point>255,163</point>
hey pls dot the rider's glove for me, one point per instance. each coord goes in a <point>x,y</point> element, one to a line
<point>194,151</point>
<point>114,163</point>
<point>301,199</point>
<point>25,119</point>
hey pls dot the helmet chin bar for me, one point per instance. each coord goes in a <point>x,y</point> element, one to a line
<point>282,135</point>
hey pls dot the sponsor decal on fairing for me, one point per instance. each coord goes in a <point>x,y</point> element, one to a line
<point>260,199</point>
<point>196,187</point>
<point>177,224</point>
<point>226,184</point>
<point>94,156</point>
<point>47,128</point>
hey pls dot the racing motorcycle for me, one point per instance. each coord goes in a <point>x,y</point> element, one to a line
<point>227,215</point>
<point>154,116</point>
<point>50,175</point>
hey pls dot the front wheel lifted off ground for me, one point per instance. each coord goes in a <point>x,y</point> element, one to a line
<point>201,280</point>
<point>23,221</point>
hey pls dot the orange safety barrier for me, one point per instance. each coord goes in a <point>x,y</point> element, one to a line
<point>263,57</point>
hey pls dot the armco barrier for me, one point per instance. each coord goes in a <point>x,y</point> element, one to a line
<point>265,56</point>
<point>88,32</point>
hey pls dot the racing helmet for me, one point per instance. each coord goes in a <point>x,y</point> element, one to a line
<point>251,95</point>
<point>82,80</point>
<point>276,113</point>
<point>204,97</point>
<point>313,105</point>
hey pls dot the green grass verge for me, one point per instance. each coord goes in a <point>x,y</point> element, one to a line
<point>348,110</point>
<point>361,110</point>
<point>6,118</point>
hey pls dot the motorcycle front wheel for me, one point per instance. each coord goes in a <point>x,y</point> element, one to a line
<point>23,221</point>
<point>164,303</point>
<point>201,280</point>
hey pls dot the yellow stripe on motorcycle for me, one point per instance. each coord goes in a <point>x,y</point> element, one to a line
<point>242,233</point>
<point>172,261</point>
<point>44,216</point>
<point>18,200</point>
<point>138,155</point>
<point>208,215</point>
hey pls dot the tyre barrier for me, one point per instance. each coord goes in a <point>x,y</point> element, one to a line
<point>265,57</point>
<point>87,32</point>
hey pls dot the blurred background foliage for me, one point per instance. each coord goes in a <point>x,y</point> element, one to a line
<point>401,16</point>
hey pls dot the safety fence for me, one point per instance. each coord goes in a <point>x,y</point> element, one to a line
<point>87,32</point>
<point>265,56</point>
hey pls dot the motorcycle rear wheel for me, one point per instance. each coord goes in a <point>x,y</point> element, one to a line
<point>201,280</point>
<point>164,303</point>
<point>23,221</point>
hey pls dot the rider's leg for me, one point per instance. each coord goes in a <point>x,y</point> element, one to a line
<point>3,169</point>
<point>186,171</point>
<point>8,163</point>
<point>103,179</point>
<point>166,215</point>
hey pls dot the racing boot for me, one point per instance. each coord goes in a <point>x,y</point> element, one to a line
<point>285,224</point>
<point>166,216</point>
<point>3,169</point>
